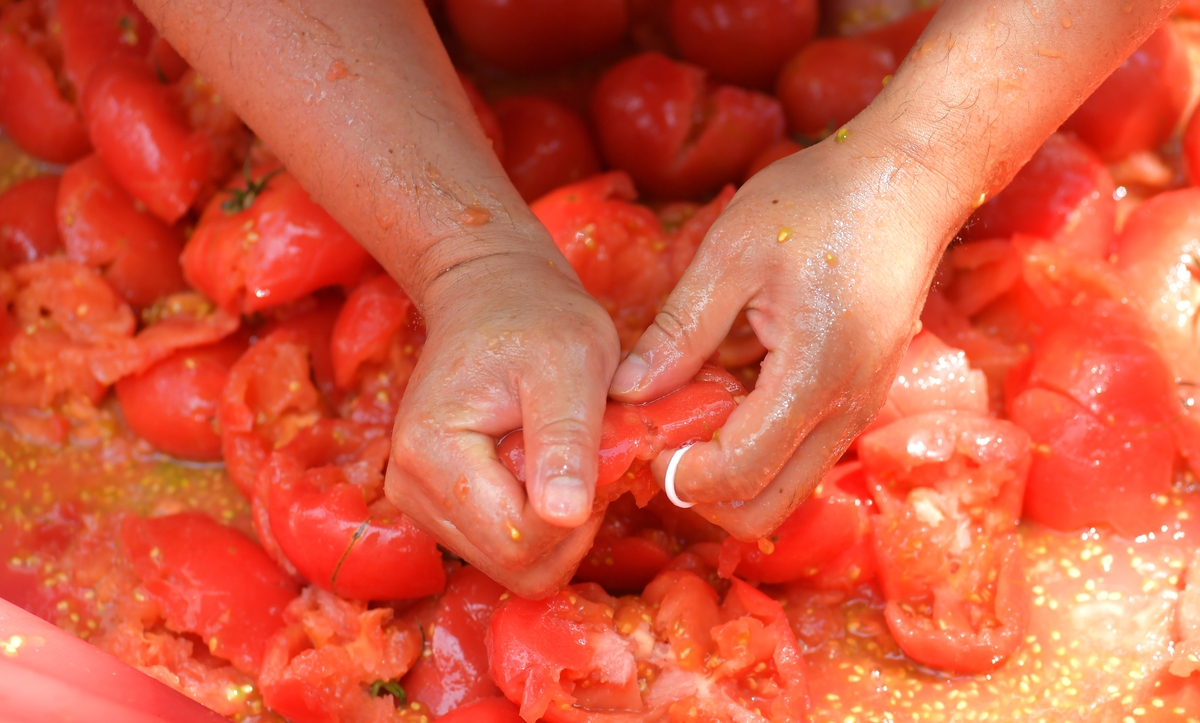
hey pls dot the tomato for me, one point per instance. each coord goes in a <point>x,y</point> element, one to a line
<point>826,540</point>
<point>490,710</point>
<point>900,36</point>
<point>311,320</point>
<point>268,398</point>
<point>780,149</point>
<point>533,35</point>
<point>865,17</point>
<point>628,551</point>
<point>103,227</point>
<point>27,226</point>
<point>228,139</point>
<point>626,256</point>
<point>453,668</point>
<point>632,432</point>
<point>546,145</point>
<point>65,311</point>
<point>33,110</point>
<point>168,63</point>
<point>830,81</point>
<point>173,404</point>
<point>1140,104</point>
<point>582,655</point>
<point>323,493</point>
<point>742,42</point>
<point>268,244</point>
<point>1098,401</point>
<point>949,487</point>
<point>1063,194</point>
<point>658,120</point>
<point>487,117</point>
<point>184,562</point>
<point>95,30</point>
<point>138,127</point>
<point>1158,257</point>
<point>332,661</point>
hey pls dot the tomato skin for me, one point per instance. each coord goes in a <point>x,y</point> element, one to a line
<point>138,128</point>
<point>95,30</point>
<point>28,230</point>
<point>323,526</point>
<point>372,314</point>
<point>1158,257</point>
<point>454,673</point>
<point>830,81</point>
<point>173,404</point>
<point>1064,194</point>
<point>648,114</point>
<point>102,226</point>
<point>32,109</point>
<point>489,710</point>
<point>546,145</point>
<point>742,42</point>
<point>280,249</point>
<point>1139,105</point>
<point>184,561</point>
<point>532,35</point>
<point>774,152</point>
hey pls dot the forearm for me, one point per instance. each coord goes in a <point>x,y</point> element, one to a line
<point>361,103</point>
<point>987,83</point>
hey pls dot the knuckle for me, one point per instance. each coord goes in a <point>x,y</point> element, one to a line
<point>672,326</point>
<point>563,432</point>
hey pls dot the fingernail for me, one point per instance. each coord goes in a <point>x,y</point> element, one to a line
<point>565,497</point>
<point>629,375</point>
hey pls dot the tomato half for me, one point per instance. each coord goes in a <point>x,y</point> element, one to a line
<point>659,121</point>
<point>28,230</point>
<point>546,145</point>
<point>830,81</point>
<point>742,42</point>
<point>184,562</point>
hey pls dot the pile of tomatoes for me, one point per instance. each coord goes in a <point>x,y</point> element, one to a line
<point>1014,536</point>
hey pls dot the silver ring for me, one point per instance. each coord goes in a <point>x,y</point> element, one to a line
<point>669,480</point>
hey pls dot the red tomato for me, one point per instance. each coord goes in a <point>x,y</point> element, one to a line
<point>330,664</point>
<point>780,149</point>
<point>311,320</point>
<point>831,81</point>
<point>948,487</point>
<point>855,17</point>
<point>323,493</point>
<point>95,30</point>
<point>532,35</point>
<point>453,669</point>
<point>658,120</point>
<point>826,540</point>
<point>363,332</point>
<point>33,110</point>
<point>173,404</point>
<point>582,655</point>
<point>485,114</point>
<point>27,227</point>
<point>901,35</point>
<point>743,42</point>
<point>103,227</point>
<point>490,710</point>
<point>1099,402</point>
<point>546,145</point>
<point>184,562</point>
<point>167,61</point>
<point>228,138</point>
<point>138,127</point>
<point>1064,194</point>
<point>628,551</point>
<point>269,244</point>
<point>1140,104</point>
<point>1158,257</point>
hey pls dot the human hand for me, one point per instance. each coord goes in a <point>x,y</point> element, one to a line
<point>513,341</point>
<point>830,251</point>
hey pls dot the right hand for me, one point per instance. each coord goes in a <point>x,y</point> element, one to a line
<point>513,341</point>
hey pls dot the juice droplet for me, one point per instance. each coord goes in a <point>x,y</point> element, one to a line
<point>475,216</point>
<point>830,258</point>
<point>461,489</point>
<point>513,532</point>
<point>765,546</point>
<point>981,200</point>
<point>337,71</point>
<point>887,79</point>
<point>1066,20</point>
<point>842,135</point>
<point>785,234</point>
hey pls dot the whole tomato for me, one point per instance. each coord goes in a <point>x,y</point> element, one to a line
<point>831,81</point>
<point>546,145</point>
<point>677,137</point>
<point>531,35</point>
<point>742,41</point>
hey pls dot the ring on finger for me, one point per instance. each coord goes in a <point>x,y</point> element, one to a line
<point>669,479</point>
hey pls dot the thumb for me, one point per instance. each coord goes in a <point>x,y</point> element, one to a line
<point>562,408</point>
<point>684,335</point>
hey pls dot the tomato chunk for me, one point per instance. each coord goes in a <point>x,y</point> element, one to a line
<point>546,145</point>
<point>184,561</point>
<point>28,231</point>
